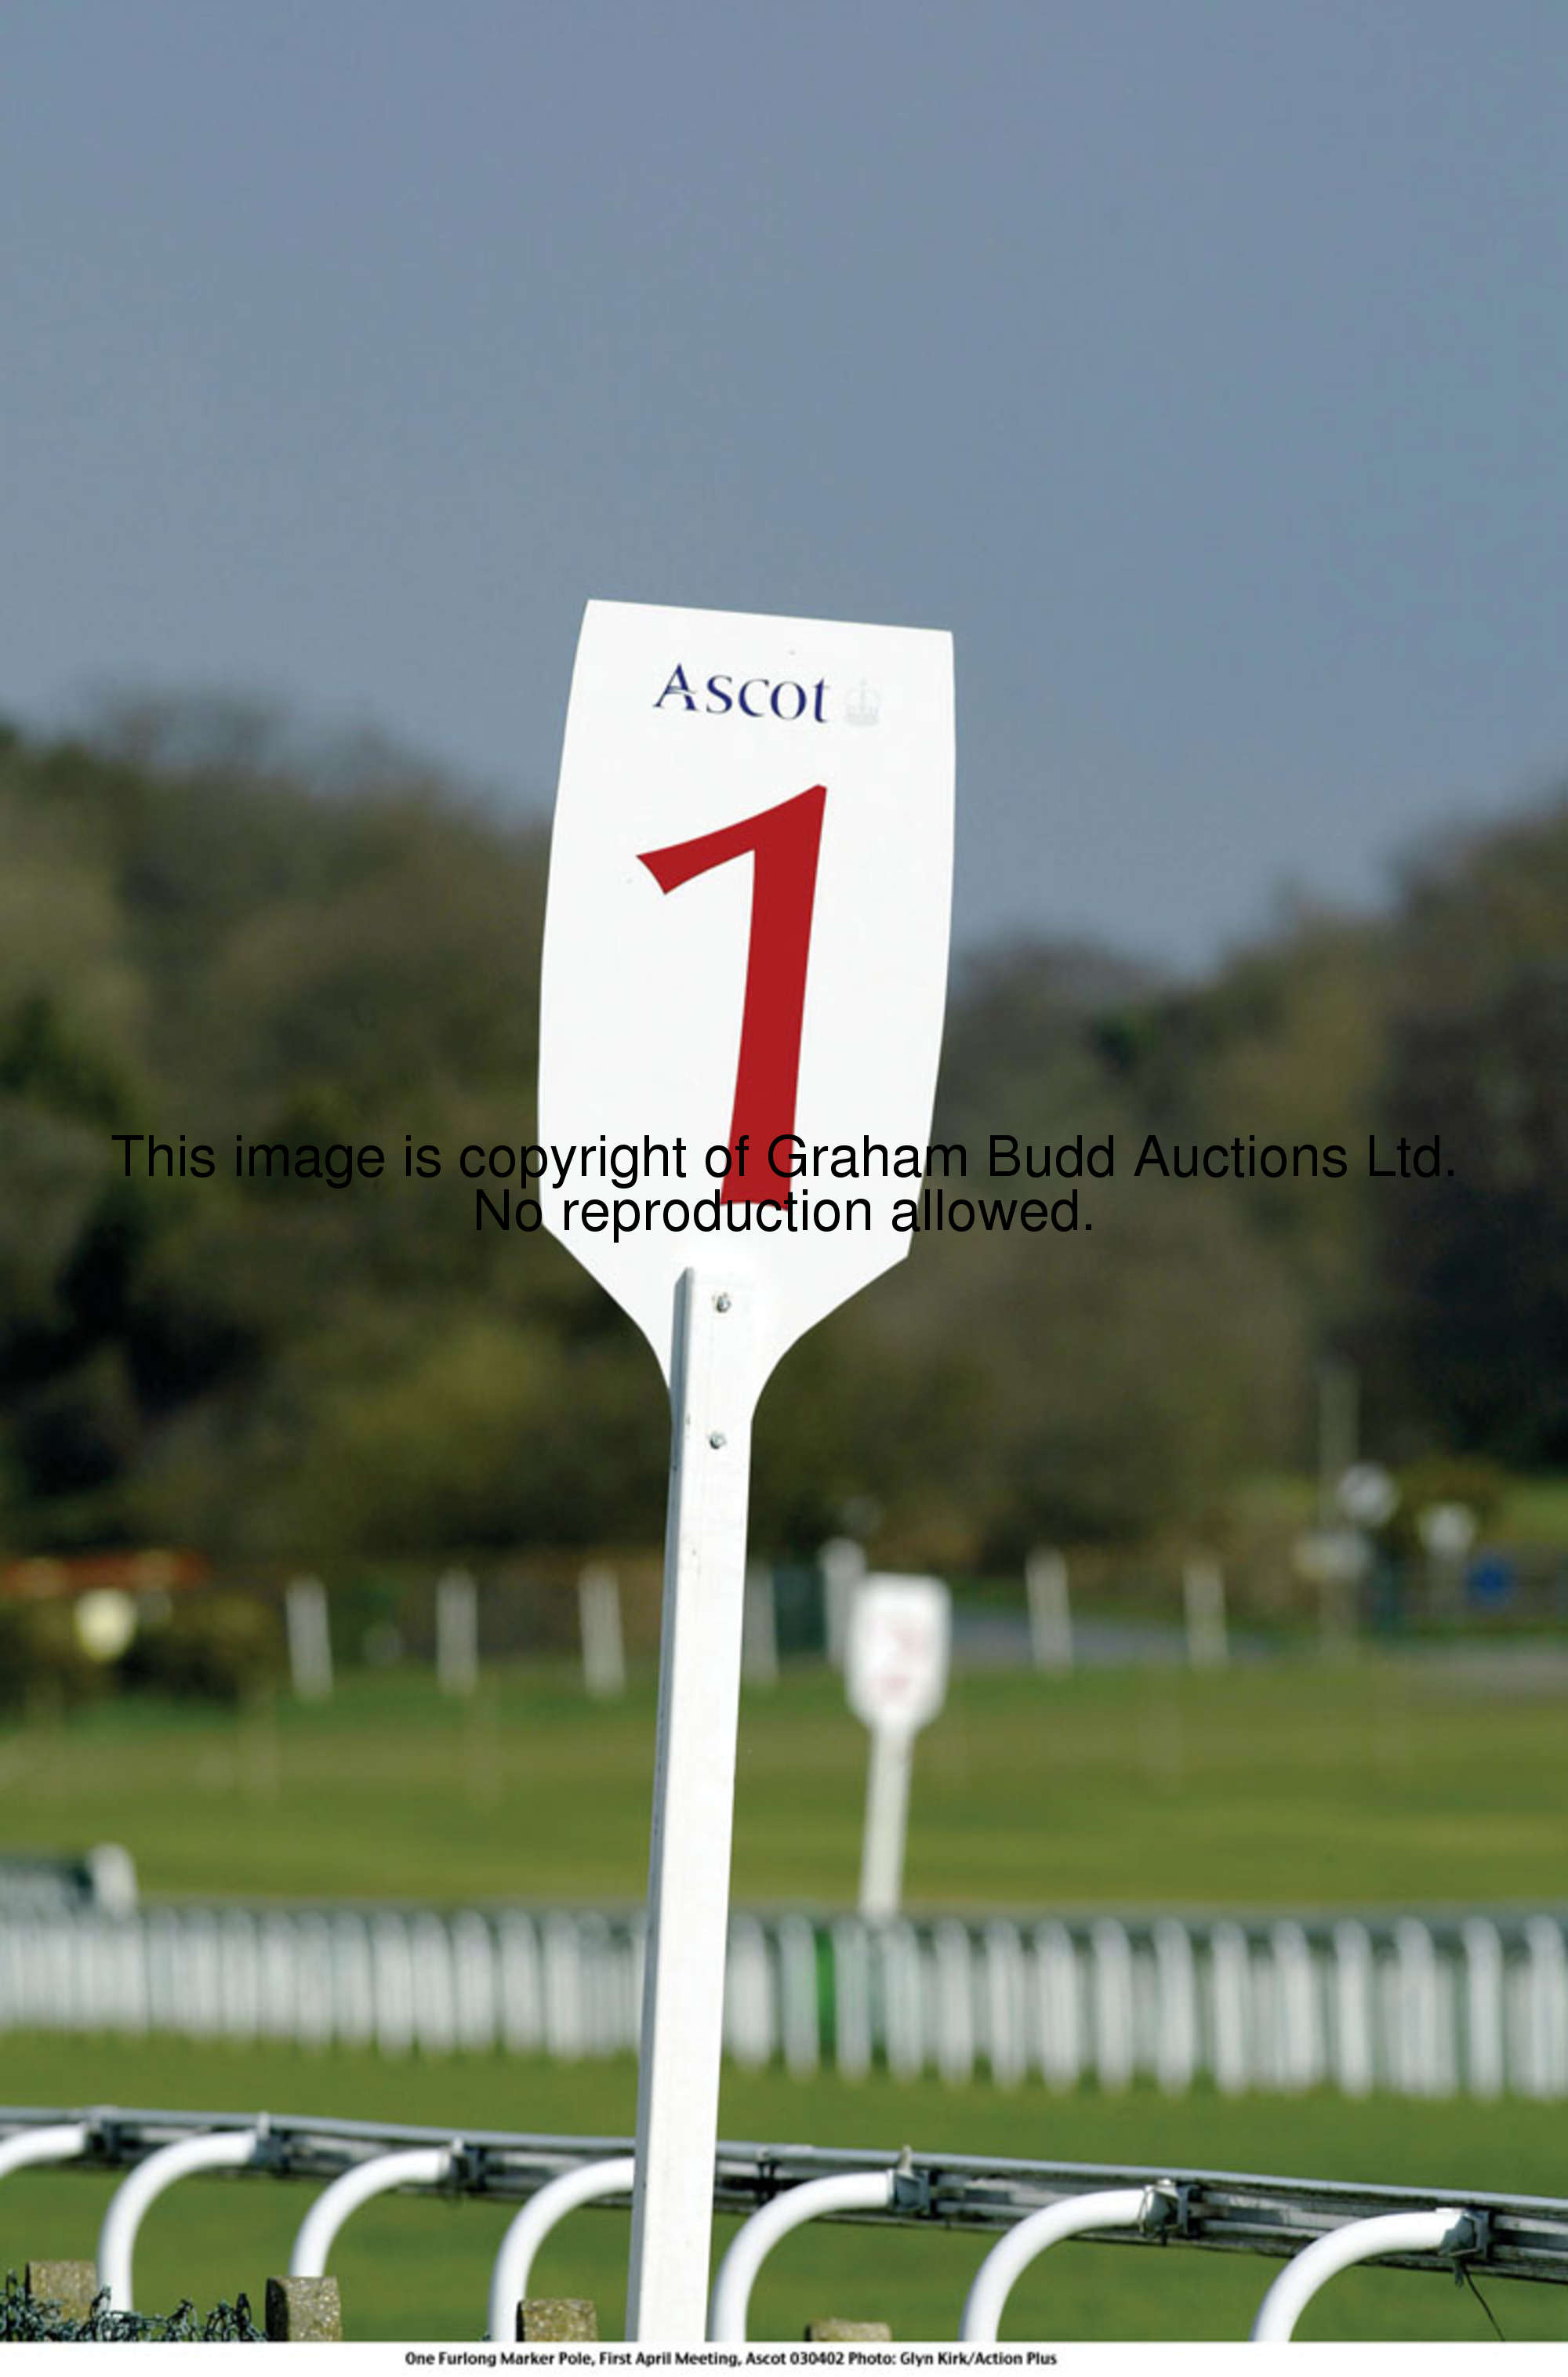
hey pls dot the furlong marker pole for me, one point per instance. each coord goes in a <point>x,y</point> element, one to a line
<point>830,862</point>
<point>677,2088</point>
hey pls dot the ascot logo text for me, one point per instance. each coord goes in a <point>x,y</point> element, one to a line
<point>754,696</point>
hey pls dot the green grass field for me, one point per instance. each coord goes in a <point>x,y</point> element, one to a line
<point>412,2268</point>
<point>1290,1783</point>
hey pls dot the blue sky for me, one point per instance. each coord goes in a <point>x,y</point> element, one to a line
<point>1200,364</point>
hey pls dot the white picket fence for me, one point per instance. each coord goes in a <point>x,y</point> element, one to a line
<point>1421,2007</point>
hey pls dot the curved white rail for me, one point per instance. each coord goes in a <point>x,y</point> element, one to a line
<point>1359,2241</point>
<point>1075,2216</point>
<point>420,2167</point>
<point>509,2280</point>
<point>128,2207</point>
<point>851,2190</point>
<point>61,2141</point>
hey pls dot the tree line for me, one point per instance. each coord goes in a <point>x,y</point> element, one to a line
<point>205,930</point>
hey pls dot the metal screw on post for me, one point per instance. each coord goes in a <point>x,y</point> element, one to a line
<point>718,1440</point>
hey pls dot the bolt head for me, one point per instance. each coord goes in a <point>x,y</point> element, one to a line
<point>720,1303</point>
<point>718,1439</point>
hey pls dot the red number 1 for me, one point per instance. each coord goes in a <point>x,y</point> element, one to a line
<point>783,842</point>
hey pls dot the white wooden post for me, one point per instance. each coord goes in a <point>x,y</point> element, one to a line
<point>1339,1419</point>
<point>603,1649</point>
<point>310,1639</point>
<point>456,1633</point>
<point>760,1631</point>
<point>1051,1612</point>
<point>887,1821</point>
<point>1447,1530</point>
<point>677,2089</point>
<point>843,1563</point>
<point>1334,1561</point>
<point>1202,1590</point>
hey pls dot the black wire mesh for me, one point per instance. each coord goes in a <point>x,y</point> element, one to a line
<point>25,2320</point>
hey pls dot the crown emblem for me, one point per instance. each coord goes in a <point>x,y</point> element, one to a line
<point>864,706</point>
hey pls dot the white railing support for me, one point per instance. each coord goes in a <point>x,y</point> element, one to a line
<point>589,2184</point>
<point>421,2167</point>
<point>1075,2216</point>
<point>1444,2231</point>
<point>132,2199</point>
<point>60,2142</point>
<point>851,2190</point>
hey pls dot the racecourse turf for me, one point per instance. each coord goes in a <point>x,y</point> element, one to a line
<point>418,2268</point>
<point>1410,1780</point>
<point>1420,1779</point>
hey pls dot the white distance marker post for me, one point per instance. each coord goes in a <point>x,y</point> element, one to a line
<point>745,960</point>
<point>896,1675</point>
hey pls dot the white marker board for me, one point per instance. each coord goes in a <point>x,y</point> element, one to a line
<point>744,948</point>
<point>746,935</point>
<point>895,1676</point>
<point>896,1661</point>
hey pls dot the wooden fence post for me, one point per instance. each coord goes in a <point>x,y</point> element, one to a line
<point>69,2285</point>
<point>557,2319</point>
<point>304,2310</point>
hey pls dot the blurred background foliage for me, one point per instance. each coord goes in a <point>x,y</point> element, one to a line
<point>204,930</point>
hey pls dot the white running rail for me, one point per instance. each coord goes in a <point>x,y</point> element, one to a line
<point>26,2149</point>
<point>416,2167</point>
<point>1078,2216</point>
<point>850,2190</point>
<point>1317,2227</point>
<point>1444,2231</point>
<point>134,2198</point>
<point>593,2182</point>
